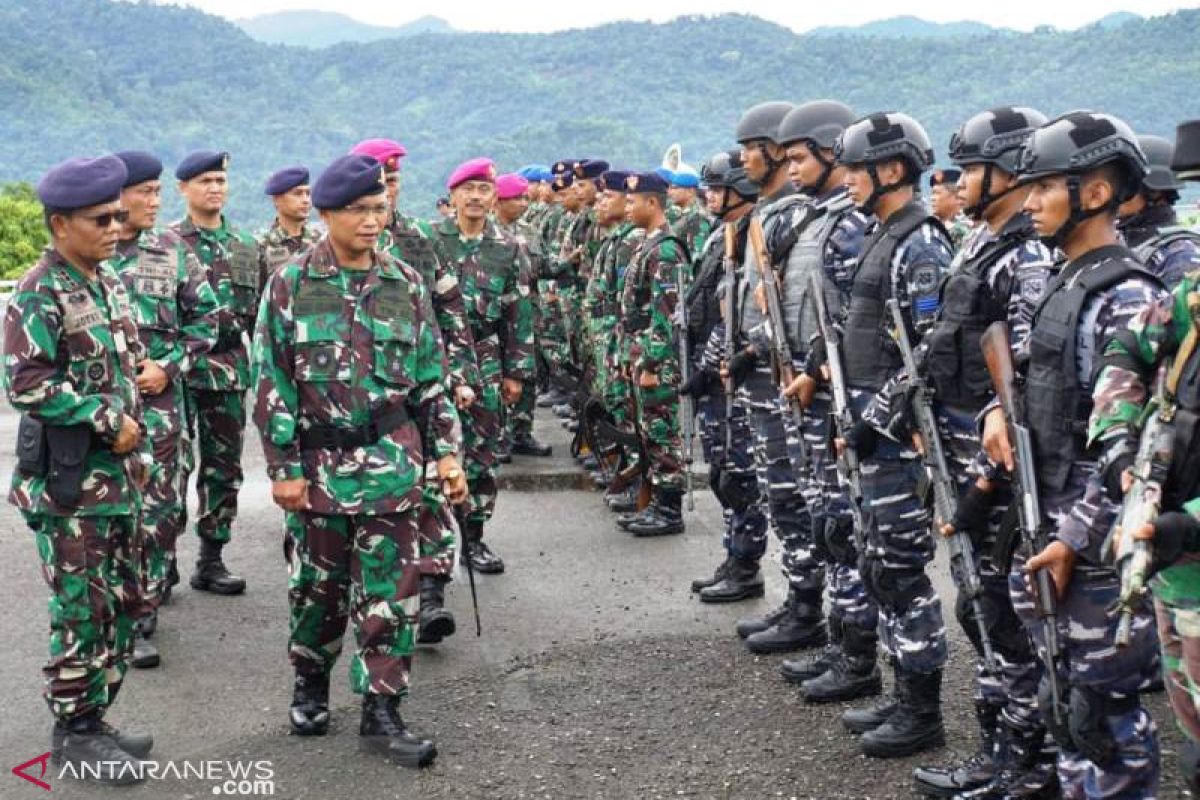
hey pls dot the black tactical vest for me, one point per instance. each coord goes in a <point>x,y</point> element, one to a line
<point>871,355</point>
<point>1183,482</point>
<point>955,359</point>
<point>704,296</point>
<point>1056,404</point>
<point>808,257</point>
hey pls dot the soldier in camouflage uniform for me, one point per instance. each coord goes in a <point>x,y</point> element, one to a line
<point>724,430</point>
<point>946,204</point>
<point>1148,223</point>
<point>904,256</point>
<point>289,234</point>
<point>176,316</point>
<point>512,204</point>
<point>1081,167</point>
<point>70,356</point>
<point>648,302</point>
<point>554,338</point>
<point>693,223</point>
<point>216,386</point>
<point>409,240</point>
<point>351,404</point>
<point>491,270</point>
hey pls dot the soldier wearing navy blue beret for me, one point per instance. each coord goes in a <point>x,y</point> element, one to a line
<point>218,381</point>
<point>70,350</point>
<point>289,234</point>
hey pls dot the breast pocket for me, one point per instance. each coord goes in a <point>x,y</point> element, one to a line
<point>321,356</point>
<point>243,274</point>
<point>395,352</point>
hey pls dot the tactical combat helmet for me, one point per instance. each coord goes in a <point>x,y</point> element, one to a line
<point>1159,177</point>
<point>1077,143</point>
<point>993,138</point>
<point>725,171</point>
<point>882,137</point>
<point>818,121</point>
<point>762,121</point>
<point>1186,161</point>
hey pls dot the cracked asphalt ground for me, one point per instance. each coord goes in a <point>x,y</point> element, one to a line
<point>598,674</point>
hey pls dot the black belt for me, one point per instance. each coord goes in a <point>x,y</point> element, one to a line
<point>226,342</point>
<point>335,437</point>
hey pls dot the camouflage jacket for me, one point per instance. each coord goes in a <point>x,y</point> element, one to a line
<point>490,270</point>
<point>411,241</point>
<point>648,302</point>
<point>345,348</point>
<point>602,298</point>
<point>70,355</point>
<point>276,246</point>
<point>693,226</point>
<point>231,261</point>
<point>173,305</point>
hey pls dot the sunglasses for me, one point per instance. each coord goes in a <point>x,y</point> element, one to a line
<point>108,218</point>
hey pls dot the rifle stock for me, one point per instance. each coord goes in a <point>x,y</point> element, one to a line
<point>730,293</point>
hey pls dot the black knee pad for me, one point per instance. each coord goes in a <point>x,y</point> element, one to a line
<point>894,588</point>
<point>741,491</point>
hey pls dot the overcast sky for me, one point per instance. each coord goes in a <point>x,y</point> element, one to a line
<point>489,15</point>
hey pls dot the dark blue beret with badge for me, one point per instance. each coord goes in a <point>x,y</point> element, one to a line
<point>565,166</point>
<point>201,161</point>
<point>82,182</point>
<point>614,180</point>
<point>346,180</point>
<point>591,168</point>
<point>944,177</point>
<point>645,183</point>
<point>142,166</point>
<point>286,179</point>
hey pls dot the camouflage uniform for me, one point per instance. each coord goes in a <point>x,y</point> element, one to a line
<point>1080,514</point>
<point>1168,251</point>
<point>70,350</point>
<point>342,353</point>
<point>218,381</point>
<point>959,228</point>
<point>602,303</point>
<point>519,417</point>
<point>1157,332</point>
<point>556,348</point>
<point>490,269</point>
<point>176,316</point>
<point>693,226</point>
<point>276,246</point>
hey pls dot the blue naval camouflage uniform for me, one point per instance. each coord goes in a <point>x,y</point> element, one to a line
<point>1081,514</point>
<point>899,538</point>
<point>1168,251</point>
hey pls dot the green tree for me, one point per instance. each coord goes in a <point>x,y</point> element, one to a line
<point>22,232</point>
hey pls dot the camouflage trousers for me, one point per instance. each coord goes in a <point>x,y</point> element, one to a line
<point>833,522</point>
<point>1012,688</point>
<point>219,419</point>
<point>745,521</point>
<point>658,422</point>
<point>899,542</point>
<point>776,468</point>
<point>518,418</point>
<point>1177,609</point>
<point>1086,627</point>
<point>437,529</point>
<point>359,569</point>
<point>91,565</point>
<point>482,433</point>
<point>164,507</point>
<point>552,333</point>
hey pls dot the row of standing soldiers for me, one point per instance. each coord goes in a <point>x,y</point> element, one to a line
<point>833,338</point>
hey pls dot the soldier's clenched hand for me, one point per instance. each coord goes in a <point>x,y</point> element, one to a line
<point>454,481</point>
<point>127,437</point>
<point>464,397</point>
<point>290,495</point>
<point>510,390</point>
<point>151,378</point>
<point>995,439</point>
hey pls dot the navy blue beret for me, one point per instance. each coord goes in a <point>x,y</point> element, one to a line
<point>614,180</point>
<point>287,179</point>
<point>591,168</point>
<point>142,166</point>
<point>645,183</point>
<point>565,166</point>
<point>82,182</point>
<point>346,180</point>
<point>201,161</point>
<point>562,181</point>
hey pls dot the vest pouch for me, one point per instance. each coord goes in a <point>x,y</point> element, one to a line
<point>68,447</point>
<point>33,460</point>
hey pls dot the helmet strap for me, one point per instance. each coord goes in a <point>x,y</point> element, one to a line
<point>878,189</point>
<point>827,167</point>
<point>1077,215</point>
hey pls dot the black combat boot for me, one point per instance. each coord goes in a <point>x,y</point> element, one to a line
<point>665,517</point>
<point>309,711</point>
<point>172,580</point>
<point>137,745</point>
<point>504,452</point>
<point>145,654</point>
<point>854,675</point>
<point>812,665</point>
<point>148,624</point>
<point>803,626</point>
<point>552,398</point>
<point>526,445</point>
<point>916,724</point>
<point>748,626</point>
<point>1027,767</point>
<point>977,771</point>
<point>436,621</point>
<point>622,502</point>
<point>716,577</point>
<point>95,750</point>
<point>382,731</point>
<point>742,581</point>
<point>211,574</point>
<point>483,560</point>
<point>1189,765</point>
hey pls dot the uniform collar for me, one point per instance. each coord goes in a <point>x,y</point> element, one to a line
<point>322,263</point>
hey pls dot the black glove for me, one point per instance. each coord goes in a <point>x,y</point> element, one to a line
<point>696,386</point>
<point>741,365</point>
<point>1112,475</point>
<point>863,438</point>
<point>1175,533</point>
<point>974,507</point>
<point>817,356</point>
